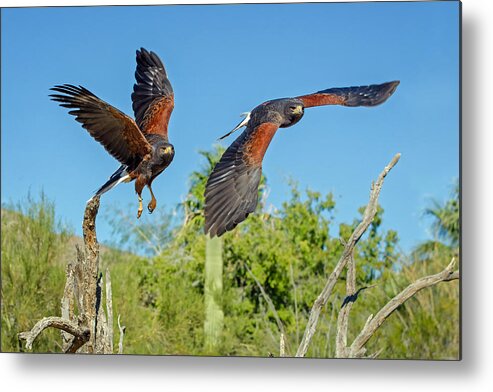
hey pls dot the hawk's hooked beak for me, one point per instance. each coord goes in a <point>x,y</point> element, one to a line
<point>243,123</point>
<point>298,110</point>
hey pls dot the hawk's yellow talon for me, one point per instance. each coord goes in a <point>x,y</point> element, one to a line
<point>139,211</point>
<point>152,204</point>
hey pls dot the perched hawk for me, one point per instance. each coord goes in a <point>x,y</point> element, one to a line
<point>141,146</point>
<point>231,192</point>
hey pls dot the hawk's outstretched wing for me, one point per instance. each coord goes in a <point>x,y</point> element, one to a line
<point>372,95</point>
<point>117,132</point>
<point>232,189</point>
<point>231,192</point>
<point>153,98</point>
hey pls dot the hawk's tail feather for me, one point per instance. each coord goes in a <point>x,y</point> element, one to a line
<point>116,178</point>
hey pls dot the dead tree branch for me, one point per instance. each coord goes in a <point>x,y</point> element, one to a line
<point>282,346</point>
<point>122,334</point>
<point>91,331</point>
<point>68,306</point>
<point>343,318</point>
<point>373,323</point>
<point>90,267</point>
<point>109,311</point>
<point>347,304</point>
<point>54,322</point>
<point>368,216</point>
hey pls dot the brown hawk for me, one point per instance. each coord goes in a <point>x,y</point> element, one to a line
<point>231,192</point>
<point>141,146</point>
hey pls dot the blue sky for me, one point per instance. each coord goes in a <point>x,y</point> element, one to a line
<point>224,60</point>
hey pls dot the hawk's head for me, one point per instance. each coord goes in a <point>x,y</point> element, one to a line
<point>165,152</point>
<point>292,110</point>
<point>285,111</point>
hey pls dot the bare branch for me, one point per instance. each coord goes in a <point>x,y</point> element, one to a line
<point>68,305</point>
<point>122,334</point>
<point>373,356</point>
<point>78,341</point>
<point>79,280</point>
<point>357,348</point>
<point>368,320</point>
<point>343,318</point>
<point>109,310</point>
<point>368,216</point>
<point>100,330</point>
<point>54,322</point>
<point>282,346</point>
<point>90,267</point>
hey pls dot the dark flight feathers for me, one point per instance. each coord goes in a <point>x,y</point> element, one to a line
<point>371,95</point>
<point>117,132</point>
<point>231,191</point>
<point>152,99</point>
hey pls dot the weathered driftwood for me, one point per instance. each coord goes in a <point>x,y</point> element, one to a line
<point>368,216</point>
<point>91,330</point>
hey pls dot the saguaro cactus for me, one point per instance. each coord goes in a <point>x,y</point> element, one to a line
<point>214,316</point>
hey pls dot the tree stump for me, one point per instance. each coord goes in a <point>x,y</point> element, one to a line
<point>86,326</point>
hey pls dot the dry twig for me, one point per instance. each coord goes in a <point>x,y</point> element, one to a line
<point>122,334</point>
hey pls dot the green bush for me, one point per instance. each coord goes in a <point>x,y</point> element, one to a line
<point>34,250</point>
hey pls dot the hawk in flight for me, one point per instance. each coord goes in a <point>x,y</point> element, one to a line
<point>231,192</point>
<point>141,146</point>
